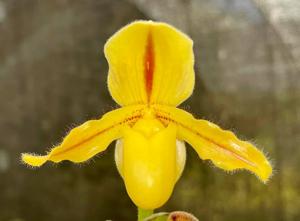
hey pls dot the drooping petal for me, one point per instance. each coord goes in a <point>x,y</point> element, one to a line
<point>220,146</point>
<point>88,139</point>
<point>150,62</point>
<point>149,167</point>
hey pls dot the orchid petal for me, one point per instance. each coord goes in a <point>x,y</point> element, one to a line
<point>88,139</point>
<point>220,146</point>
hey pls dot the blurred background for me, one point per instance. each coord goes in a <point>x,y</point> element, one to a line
<point>53,77</point>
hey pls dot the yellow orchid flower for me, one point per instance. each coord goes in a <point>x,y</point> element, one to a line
<point>150,73</point>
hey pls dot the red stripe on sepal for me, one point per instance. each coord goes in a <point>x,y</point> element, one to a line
<point>149,65</point>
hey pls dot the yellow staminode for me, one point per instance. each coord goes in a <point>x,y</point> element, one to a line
<point>150,73</point>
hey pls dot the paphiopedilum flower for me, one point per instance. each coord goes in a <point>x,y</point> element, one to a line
<point>150,73</point>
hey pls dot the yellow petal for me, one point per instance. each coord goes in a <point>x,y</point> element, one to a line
<point>150,62</point>
<point>149,166</point>
<point>90,138</point>
<point>222,147</point>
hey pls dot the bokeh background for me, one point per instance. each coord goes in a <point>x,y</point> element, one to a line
<point>53,77</point>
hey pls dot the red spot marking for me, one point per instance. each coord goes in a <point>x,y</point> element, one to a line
<point>174,217</point>
<point>149,65</point>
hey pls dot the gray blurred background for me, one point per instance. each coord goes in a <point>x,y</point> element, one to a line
<point>53,77</point>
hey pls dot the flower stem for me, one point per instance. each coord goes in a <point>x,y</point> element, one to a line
<point>143,214</point>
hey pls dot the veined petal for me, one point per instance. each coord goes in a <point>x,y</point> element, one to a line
<point>150,62</point>
<point>222,147</point>
<point>149,166</point>
<point>90,138</point>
